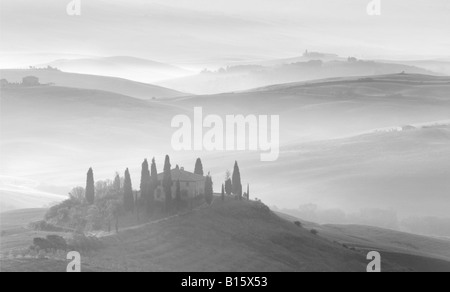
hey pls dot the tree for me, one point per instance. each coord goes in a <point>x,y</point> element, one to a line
<point>167,183</point>
<point>178,195</point>
<point>128,198</point>
<point>152,187</point>
<point>77,194</point>
<point>102,189</point>
<point>248,192</point>
<point>90,188</point>
<point>198,167</point>
<point>209,190</point>
<point>145,181</point>
<point>117,185</point>
<point>113,211</point>
<point>223,193</point>
<point>228,183</point>
<point>236,181</point>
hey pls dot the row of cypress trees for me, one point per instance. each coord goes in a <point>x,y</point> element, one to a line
<point>149,183</point>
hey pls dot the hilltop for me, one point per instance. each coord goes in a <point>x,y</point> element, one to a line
<point>246,77</point>
<point>131,68</point>
<point>94,82</point>
<point>231,236</point>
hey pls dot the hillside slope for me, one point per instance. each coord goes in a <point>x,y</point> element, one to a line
<point>377,179</point>
<point>64,130</point>
<point>324,109</point>
<point>230,236</point>
<point>234,236</point>
<point>418,253</point>
<point>131,68</point>
<point>245,77</point>
<point>96,82</point>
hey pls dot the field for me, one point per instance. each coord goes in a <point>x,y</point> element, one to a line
<point>230,236</point>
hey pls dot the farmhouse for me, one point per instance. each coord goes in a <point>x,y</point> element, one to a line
<point>191,185</point>
<point>30,81</point>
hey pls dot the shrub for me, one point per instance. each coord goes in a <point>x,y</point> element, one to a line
<point>81,242</point>
<point>42,244</point>
<point>298,223</point>
<point>45,226</point>
<point>314,231</point>
<point>57,241</point>
<point>55,212</point>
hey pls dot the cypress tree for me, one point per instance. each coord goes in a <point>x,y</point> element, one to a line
<point>198,167</point>
<point>228,187</point>
<point>153,186</point>
<point>228,183</point>
<point>236,182</point>
<point>209,190</point>
<point>145,181</point>
<point>128,198</point>
<point>117,184</point>
<point>248,192</point>
<point>90,188</point>
<point>178,195</point>
<point>167,183</point>
<point>223,193</point>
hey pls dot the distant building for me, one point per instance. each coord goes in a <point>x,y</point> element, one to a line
<point>408,128</point>
<point>191,185</point>
<point>30,81</point>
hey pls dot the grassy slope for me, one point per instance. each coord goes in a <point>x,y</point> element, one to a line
<point>389,240</point>
<point>417,253</point>
<point>230,236</point>
<point>110,84</point>
<point>12,220</point>
<point>13,227</point>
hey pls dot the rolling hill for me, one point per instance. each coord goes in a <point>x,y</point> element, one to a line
<point>419,253</point>
<point>327,137</point>
<point>95,82</point>
<point>377,179</point>
<point>333,108</point>
<point>244,77</point>
<point>438,66</point>
<point>239,237</point>
<point>125,67</point>
<point>50,133</point>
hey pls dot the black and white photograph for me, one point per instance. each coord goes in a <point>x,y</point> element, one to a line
<point>205,139</point>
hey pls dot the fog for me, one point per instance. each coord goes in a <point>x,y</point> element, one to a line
<point>337,160</point>
<point>198,34</point>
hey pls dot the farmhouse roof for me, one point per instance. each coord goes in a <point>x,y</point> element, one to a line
<point>183,176</point>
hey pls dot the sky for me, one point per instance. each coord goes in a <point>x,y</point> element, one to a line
<point>201,32</point>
